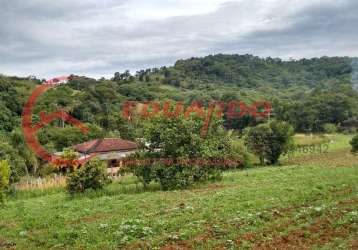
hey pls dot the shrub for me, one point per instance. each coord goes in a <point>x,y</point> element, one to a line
<point>93,175</point>
<point>240,153</point>
<point>46,170</point>
<point>69,156</point>
<point>18,165</point>
<point>192,157</point>
<point>174,173</point>
<point>4,178</point>
<point>144,173</point>
<point>173,177</point>
<point>330,128</point>
<point>354,143</point>
<point>268,141</point>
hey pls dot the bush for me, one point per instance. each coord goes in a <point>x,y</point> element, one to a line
<point>240,153</point>
<point>330,128</point>
<point>354,143</point>
<point>93,175</point>
<point>268,141</point>
<point>4,178</point>
<point>192,158</point>
<point>47,170</point>
<point>174,176</point>
<point>18,165</point>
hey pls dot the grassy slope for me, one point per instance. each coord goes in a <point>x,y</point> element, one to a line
<point>223,215</point>
<point>335,151</point>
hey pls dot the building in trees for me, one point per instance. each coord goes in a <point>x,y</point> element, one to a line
<point>112,150</point>
<point>58,80</point>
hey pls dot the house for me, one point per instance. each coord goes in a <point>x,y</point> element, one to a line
<point>111,150</point>
<point>58,80</point>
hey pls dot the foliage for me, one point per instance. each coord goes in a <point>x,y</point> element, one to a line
<point>18,166</point>
<point>330,128</point>
<point>307,93</point>
<point>67,161</point>
<point>177,155</point>
<point>268,141</point>
<point>92,175</point>
<point>4,178</point>
<point>354,143</point>
<point>67,136</point>
<point>333,105</point>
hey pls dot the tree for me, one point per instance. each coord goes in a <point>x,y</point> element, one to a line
<point>354,143</point>
<point>268,141</point>
<point>177,155</point>
<point>18,166</point>
<point>116,77</point>
<point>330,128</point>
<point>282,134</point>
<point>93,175</point>
<point>4,178</point>
<point>68,158</point>
<point>31,161</point>
<point>257,139</point>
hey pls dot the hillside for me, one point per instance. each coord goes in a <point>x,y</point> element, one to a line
<point>220,77</point>
<point>308,93</point>
<point>246,75</point>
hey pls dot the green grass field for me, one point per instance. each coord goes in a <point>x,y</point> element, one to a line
<point>309,206</point>
<point>247,209</point>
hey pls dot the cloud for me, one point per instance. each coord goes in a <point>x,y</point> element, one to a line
<point>97,38</point>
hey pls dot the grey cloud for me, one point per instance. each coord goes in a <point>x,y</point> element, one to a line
<point>50,38</point>
<point>315,31</point>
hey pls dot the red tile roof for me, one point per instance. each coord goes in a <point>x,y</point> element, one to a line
<point>58,80</point>
<point>105,145</point>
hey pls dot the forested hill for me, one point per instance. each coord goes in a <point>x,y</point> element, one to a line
<point>251,72</point>
<point>244,77</point>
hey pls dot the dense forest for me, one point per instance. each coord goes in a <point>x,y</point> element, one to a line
<point>313,95</point>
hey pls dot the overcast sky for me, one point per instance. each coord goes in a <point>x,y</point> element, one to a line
<point>96,38</point>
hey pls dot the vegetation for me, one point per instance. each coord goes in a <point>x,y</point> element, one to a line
<point>4,179</point>
<point>330,128</point>
<point>247,209</point>
<point>321,150</point>
<point>269,141</point>
<point>354,143</point>
<point>307,93</point>
<point>311,206</point>
<point>178,155</point>
<point>92,175</point>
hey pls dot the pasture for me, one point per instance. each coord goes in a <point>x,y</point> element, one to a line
<point>310,201</point>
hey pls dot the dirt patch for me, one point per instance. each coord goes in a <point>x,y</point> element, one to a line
<point>7,245</point>
<point>320,232</point>
<point>181,245</point>
<point>343,191</point>
<point>90,218</point>
<point>138,245</point>
<point>8,225</point>
<point>354,245</point>
<point>202,237</point>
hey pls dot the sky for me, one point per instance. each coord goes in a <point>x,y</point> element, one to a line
<point>97,38</point>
